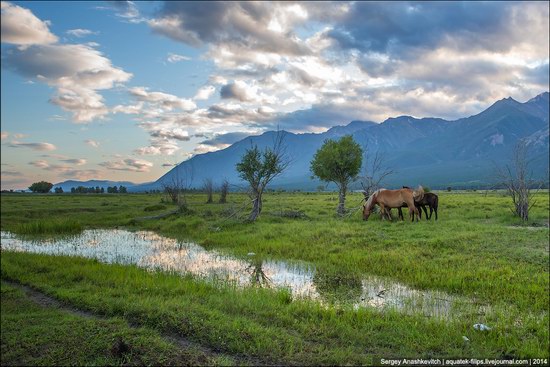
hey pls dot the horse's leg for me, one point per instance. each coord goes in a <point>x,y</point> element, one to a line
<point>413,211</point>
<point>426,212</point>
<point>400,213</point>
<point>388,213</point>
<point>431,211</point>
<point>419,211</point>
<point>382,210</point>
<point>435,210</point>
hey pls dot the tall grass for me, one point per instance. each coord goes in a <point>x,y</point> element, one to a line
<point>49,227</point>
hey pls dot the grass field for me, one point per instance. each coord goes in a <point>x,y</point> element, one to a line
<point>476,249</point>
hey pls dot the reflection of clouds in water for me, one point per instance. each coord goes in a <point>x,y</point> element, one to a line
<point>152,251</point>
<point>381,293</point>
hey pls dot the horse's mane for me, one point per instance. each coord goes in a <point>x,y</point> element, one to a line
<point>369,204</point>
<point>418,194</point>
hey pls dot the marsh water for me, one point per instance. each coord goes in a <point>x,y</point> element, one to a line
<point>152,251</point>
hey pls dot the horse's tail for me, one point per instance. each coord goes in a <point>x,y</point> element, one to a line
<point>418,194</point>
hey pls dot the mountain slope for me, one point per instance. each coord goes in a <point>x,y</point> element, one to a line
<point>430,151</point>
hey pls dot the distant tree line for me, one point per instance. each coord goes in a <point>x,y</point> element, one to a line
<point>99,190</point>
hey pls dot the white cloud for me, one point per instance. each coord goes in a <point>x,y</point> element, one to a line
<point>33,146</point>
<point>172,58</point>
<point>77,71</point>
<point>40,164</point>
<point>205,92</point>
<point>92,143</point>
<point>128,164</point>
<point>21,27</point>
<point>75,161</point>
<point>79,32</point>
<point>163,100</point>
<point>81,174</point>
<point>129,109</point>
<point>4,135</point>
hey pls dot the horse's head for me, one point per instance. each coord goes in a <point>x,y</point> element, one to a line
<point>368,206</point>
<point>366,212</point>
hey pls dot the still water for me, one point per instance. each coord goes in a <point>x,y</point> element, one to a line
<point>152,251</point>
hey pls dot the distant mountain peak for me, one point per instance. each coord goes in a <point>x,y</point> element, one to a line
<point>400,119</point>
<point>543,97</point>
<point>350,128</point>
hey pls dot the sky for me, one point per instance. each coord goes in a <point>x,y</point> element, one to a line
<point>125,90</point>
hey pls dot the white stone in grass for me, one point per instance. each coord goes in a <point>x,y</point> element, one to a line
<point>482,327</point>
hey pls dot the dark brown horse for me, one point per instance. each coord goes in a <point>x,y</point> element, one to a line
<point>388,199</point>
<point>429,199</point>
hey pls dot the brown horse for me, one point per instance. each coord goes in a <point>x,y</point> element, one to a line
<point>388,199</point>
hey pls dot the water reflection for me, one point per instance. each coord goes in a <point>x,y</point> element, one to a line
<point>152,251</point>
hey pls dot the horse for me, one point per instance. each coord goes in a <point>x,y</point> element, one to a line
<point>388,199</point>
<point>429,199</point>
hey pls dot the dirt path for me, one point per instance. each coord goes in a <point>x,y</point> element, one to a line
<point>47,301</point>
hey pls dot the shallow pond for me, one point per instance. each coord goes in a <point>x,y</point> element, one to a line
<point>152,251</point>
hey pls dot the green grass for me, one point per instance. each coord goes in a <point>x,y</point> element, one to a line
<point>34,334</point>
<point>476,249</point>
<point>48,227</point>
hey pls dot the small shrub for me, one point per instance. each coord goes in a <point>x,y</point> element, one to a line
<point>153,208</point>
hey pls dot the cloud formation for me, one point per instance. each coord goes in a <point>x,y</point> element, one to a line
<point>128,164</point>
<point>92,143</point>
<point>21,27</point>
<point>34,146</point>
<point>172,58</point>
<point>77,71</point>
<point>163,100</point>
<point>360,60</point>
<point>79,32</point>
<point>75,161</point>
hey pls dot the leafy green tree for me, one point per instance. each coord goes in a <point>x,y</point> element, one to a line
<point>259,168</point>
<point>122,189</point>
<point>338,161</point>
<point>58,190</point>
<point>41,187</point>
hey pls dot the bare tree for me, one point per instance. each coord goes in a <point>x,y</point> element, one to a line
<point>224,189</point>
<point>374,172</point>
<point>259,168</point>
<point>178,185</point>
<point>209,190</point>
<point>517,179</point>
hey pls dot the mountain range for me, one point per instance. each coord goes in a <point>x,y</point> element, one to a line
<point>430,151</point>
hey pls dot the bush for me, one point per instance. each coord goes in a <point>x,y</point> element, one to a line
<point>153,208</point>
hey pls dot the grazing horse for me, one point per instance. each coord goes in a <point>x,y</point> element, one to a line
<point>432,201</point>
<point>388,199</point>
<point>429,199</point>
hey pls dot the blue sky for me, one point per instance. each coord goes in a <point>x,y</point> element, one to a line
<point>123,90</point>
